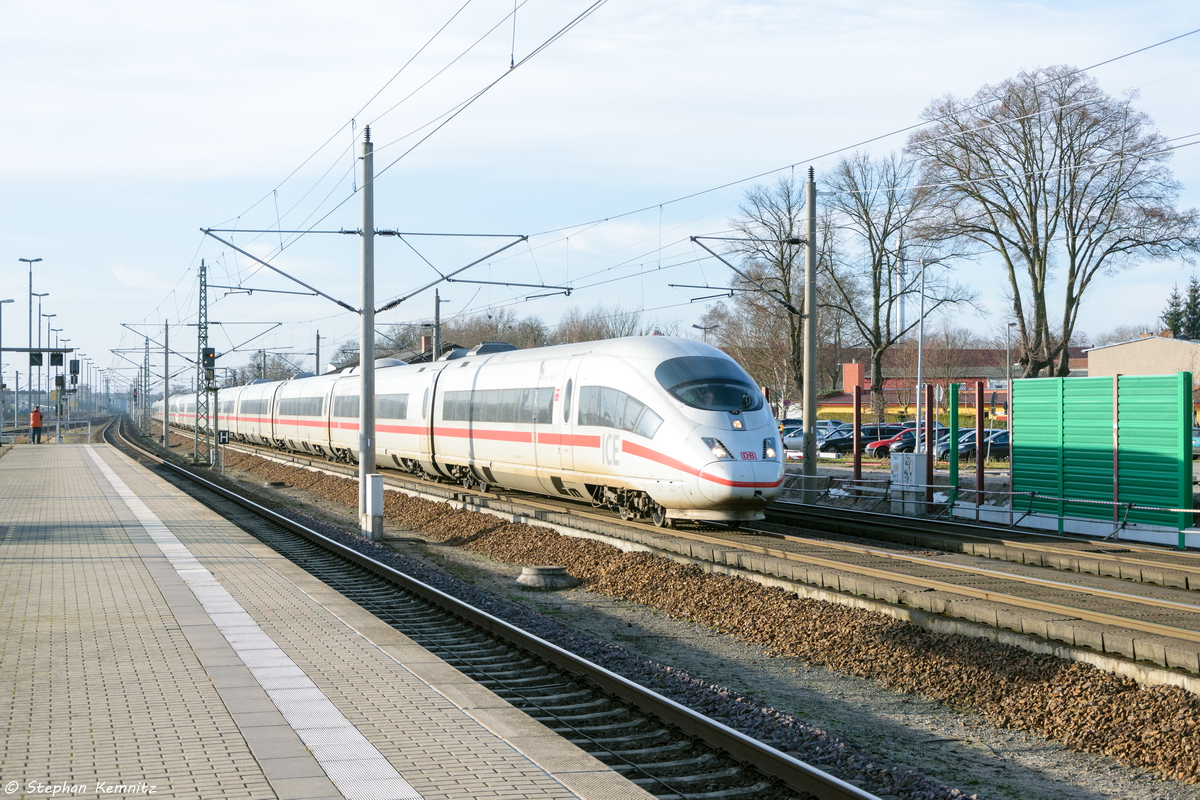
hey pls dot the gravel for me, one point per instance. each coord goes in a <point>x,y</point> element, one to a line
<point>811,677</point>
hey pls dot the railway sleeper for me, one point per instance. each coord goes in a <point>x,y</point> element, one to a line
<point>612,712</point>
<point>727,776</point>
<point>674,748</point>
<point>637,740</point>
<point>633,726</point>
<point>689,764</point>
<point>598,703</point>
<point>758,791</point>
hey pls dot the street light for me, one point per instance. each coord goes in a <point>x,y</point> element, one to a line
<point>706,329</point>
<point>918,448</point>
<point>39,296</point>
<point>45,366</point>
<point>1008,368</point>
<point>29,383</point>
<point>2,302</point>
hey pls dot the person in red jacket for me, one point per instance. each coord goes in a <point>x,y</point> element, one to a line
<point>35,425</point>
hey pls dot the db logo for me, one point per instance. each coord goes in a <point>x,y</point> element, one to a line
<point>749,455</point>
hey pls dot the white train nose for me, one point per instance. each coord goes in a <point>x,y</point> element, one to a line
<point>748,481</point>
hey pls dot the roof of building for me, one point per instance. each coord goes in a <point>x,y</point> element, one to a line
<point>1183,340</point>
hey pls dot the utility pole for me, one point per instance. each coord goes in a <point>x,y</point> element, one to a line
<point>317,359</point>
<point>437,326</point>
<point>202,441</point>
<point>370,483</point>
<point>144,422</point>
<point>166,442</point>
<point>810,342</point>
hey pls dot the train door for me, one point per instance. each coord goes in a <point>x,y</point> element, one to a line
<point>429,419</point>
<point>556,441</point>
<point>565,414</point>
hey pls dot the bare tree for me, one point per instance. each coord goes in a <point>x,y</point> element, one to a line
<point>867,275</point>
<point>605,323</point>
<point>756,340</point>
<point>499,325</point>
<point>1121,333</point>
<point>954,354</point>
<point>769,217</point>
<point>1045,169</point>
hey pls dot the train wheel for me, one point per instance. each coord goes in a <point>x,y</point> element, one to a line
<point>659,517</point>
<point>625,512</point>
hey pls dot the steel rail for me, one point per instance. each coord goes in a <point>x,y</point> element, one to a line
<point>773,763</point>
<point>1069,587</point>
<point>959,589</point>
<point>978,533</point>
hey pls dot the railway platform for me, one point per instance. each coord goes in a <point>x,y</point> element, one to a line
<point>151,648</point>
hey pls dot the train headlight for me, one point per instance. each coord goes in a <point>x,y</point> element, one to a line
<point>738,424</point>
<point>769,451</point>
<point>719,450</point>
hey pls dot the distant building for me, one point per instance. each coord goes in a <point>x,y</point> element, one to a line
<point>1148,355</point>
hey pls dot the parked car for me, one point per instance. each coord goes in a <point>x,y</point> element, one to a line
<point>883,447</point>
<point>842,440</point>
<point>941,450</point>
<point>904,442</point>
<point>793,435</point>
<point>997,445</point>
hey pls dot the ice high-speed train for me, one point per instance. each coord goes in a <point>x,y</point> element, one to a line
<point>655,427</point>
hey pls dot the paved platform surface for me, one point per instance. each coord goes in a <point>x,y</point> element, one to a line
<point>150,648</point>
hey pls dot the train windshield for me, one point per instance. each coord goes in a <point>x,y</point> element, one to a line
<point>712,384</point>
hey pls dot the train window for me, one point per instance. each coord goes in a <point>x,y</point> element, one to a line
<point>226,406</point>
<point>544,407</point>
<point>647,424</point>
<point>456,406</point>
<point>612,408</point>
<point>712,384</point>
<point>346,406</point>
<point>567,404</point>
<point>425,404</point>
<point>254,406</point>
<point>510,400</point>
<point>391,406</point>
<point>301,406</point>
<point>527,406</point>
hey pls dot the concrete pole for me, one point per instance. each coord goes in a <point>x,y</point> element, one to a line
<point>3,409</point>
<point>810,342</point>
<point>920,355</point>
<point>370,514</point>
<point>166,381</point>
<point>437,326</point>
<point>317,358</point>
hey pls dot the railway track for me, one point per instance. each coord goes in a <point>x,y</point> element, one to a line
<point>1126,601</point>
<point>662,746</point>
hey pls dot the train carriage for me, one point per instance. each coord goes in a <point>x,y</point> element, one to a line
<point>656,427</point>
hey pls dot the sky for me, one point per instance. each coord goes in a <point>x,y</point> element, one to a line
<point>128,127</point>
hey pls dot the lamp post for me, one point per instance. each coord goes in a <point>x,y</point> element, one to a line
<point>50,374</point>
<point>924,262</point>
<point>706,329</point>
<point>45,366</point>
<point>1008,373</point>
<point>2,409</point>
<point>29,381</point>
<point>62,399</point>
<point>39,296</point>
